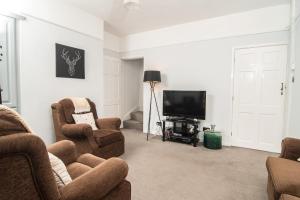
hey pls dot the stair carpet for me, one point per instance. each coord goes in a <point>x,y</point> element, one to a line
<point>135,121</point>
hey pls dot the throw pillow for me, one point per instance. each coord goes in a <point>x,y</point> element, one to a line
<point>86,118</point>
<point>61,175</point>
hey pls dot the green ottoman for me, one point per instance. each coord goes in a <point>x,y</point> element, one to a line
<point>213,140</point>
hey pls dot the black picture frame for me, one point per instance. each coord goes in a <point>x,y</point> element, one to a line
<point>70,62</point>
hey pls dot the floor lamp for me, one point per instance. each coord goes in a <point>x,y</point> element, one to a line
<point>152,77</point>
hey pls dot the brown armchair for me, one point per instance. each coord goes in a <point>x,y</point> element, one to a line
<point>284,172</point>
<point>26,172</point>
<point>106,142</point>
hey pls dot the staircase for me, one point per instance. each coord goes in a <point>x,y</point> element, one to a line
<point>135,121</point>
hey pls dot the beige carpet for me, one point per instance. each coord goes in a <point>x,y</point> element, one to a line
<point>174,171</point>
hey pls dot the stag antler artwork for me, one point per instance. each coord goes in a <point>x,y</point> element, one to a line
<point>71,63</point>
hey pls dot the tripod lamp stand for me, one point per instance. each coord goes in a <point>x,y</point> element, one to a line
<point>152,77</point>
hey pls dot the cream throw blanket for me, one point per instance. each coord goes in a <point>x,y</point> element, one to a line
<point>81,104</point>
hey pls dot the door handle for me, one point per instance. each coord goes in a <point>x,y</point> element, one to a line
<point>281,89</point>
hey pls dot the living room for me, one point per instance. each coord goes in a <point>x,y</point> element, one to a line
<point>157,99</point>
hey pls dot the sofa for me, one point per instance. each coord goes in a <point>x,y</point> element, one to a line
<point>106,142</point>
<point>284,172</point>
<point>26,172</point>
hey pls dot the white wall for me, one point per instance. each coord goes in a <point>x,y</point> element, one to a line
<point>49,22</point>
<point>294,129</point>
<point>59,13</point>
<point>112,42</point>
<point>297,8</point>
<point>39,87</point>
<point>198,56</point>
<point>111,45</point>
<point>132,84</point>
<point>203,65</point>
<point>252,22</point>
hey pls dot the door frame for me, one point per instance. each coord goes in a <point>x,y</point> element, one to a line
<point>287,84</point>
<point>144,87</point>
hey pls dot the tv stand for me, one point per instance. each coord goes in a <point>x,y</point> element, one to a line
<point>181,130</point>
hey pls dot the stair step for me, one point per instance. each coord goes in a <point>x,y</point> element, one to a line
<point>133,124</point>
<point>137,115</point>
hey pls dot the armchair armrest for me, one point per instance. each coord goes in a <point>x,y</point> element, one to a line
<point>290,148</point>
<point>77,130</point>
<point>109,123</point>
<point>28,147</point>
<point>98,182</point>
<point>65,150</point>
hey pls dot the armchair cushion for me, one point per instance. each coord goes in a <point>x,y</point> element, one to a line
<point>61,175</point>
<point>85,118</point>
<point>109,175</point>
<point>105,137</point>
<point>109,123</point>
<point>285,175</point>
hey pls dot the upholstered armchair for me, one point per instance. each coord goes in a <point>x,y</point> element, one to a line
<point>26,172</point>
<point>106,142</point>
<point>284,172</point>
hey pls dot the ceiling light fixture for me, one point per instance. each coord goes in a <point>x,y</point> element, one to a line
<point>132,4</point>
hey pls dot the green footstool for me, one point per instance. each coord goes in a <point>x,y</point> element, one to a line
<point>212,139</point>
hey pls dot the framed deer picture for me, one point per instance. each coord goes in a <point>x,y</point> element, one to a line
<point>69,62</point>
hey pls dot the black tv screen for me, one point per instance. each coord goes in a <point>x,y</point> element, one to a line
<point>191,104</point>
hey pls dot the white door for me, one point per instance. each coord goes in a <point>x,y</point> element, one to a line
<point>259,94</point>
<point>111,87</point>
<point>8,75</point>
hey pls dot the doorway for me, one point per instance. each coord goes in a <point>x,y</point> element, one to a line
<point>259,97</point>
<point>132,93</point>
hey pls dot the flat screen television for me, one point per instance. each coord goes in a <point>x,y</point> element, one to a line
<point>188,104</point>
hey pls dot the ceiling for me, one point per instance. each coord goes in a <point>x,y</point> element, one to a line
<point>154,14</point>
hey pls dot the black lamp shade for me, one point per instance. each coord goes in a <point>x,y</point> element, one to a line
<point>152,76</point>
